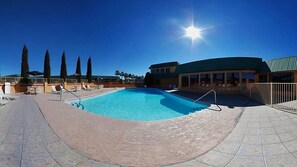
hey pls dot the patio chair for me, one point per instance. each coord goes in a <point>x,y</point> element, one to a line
<point>54,90</point>
<point>3,102</point>
<point>85,88</point>
<point>75,89</point>
<point>65,90</point>
<point>38,90</point>
<point>7,97</point>
<point>88,87</point>
<point>32,90</point>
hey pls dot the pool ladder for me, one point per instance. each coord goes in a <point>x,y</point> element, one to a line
<point>199,108</point>
<point>73,104</point>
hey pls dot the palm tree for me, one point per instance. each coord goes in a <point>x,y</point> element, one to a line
<point>117,73</point>
<point>129,77</point>
<point>122,74</point>
<point>125,76</point>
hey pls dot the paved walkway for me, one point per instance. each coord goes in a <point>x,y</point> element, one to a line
<point>263,137</point>
<point>27,140</point>
<point>139,143</point>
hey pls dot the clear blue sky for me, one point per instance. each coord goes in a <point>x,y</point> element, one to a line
<point>130,35</point>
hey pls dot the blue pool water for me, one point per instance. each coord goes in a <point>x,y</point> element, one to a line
<point>142,104</point>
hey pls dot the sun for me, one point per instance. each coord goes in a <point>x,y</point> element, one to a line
<point>193,32</point>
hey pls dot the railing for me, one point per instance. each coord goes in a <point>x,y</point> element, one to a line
<point>215,98</point>
<point>79,99</point>
<point>15,80</point>
<point>38,80</point>
<point>71,80</point>
<point>56,80</point>
<point>12,80</point>
<point>278,95</point>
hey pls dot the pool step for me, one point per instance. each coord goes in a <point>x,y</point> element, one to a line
<point>78,105</point>
<point>198,108</point>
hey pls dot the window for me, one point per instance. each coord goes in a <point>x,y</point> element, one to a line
<point>263,78</point>
<point>204,79</point>
<point>286,77</point>
<point>157,71</point>
<point>162,70</point>
<point>153,71</point>
<point>194,80</point>
<point>232,79</point>
<point>167,70</point>
<point>248,77</point>
<point>185,81</point>
<point>218,79</point>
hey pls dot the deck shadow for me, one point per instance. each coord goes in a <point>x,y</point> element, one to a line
<point>229,100</point>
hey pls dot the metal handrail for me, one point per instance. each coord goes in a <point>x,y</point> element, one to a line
<point>79,99</point>
<point>215,97</point>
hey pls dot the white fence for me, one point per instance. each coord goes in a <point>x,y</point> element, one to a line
<point>277,95</point>
<point>15,80</point>
<point>12,80</point>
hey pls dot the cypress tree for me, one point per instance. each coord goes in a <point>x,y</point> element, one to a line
<point>89,70</point>
<point>25,65</point>
<point>63,72</point>
<point>78,70</point>
<point>47,67</point>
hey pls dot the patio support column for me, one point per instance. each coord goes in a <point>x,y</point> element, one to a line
<point>179,81</point>
<point>189,80</point>
<point>256,78</point>
<point>295,80</point>
<point>240,78</point>
<point>225,79</point>
<point>199,80</point>
<point>211,79</point>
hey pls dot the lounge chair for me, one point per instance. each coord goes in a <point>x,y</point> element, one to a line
<point>7,97</point>
<point>74,89</point>
<point>88,87</point>
<point>54,90</point>
<point>3,102</point>
<point>66,90</point>
<point>84,87</point>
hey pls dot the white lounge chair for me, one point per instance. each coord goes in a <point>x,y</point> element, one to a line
<point>84,87</point>
<point>88,87</point>
<point>54,90</point>
<point>3,102</point>
<point>7,97</point>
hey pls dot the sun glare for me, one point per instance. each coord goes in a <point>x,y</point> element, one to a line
<point>193,32</point>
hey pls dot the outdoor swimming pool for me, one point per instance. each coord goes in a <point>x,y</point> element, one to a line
<point>142,104</point>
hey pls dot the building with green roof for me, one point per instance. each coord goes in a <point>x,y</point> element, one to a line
<point>224,74</point>
<point>165,74</point>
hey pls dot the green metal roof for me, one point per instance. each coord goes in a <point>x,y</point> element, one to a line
<point>221,64</point>
<point>167,64</point>
<point>281,64</point>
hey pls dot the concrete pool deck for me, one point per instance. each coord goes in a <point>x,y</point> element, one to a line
<point>263,137</point>
<point>134,143</point>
